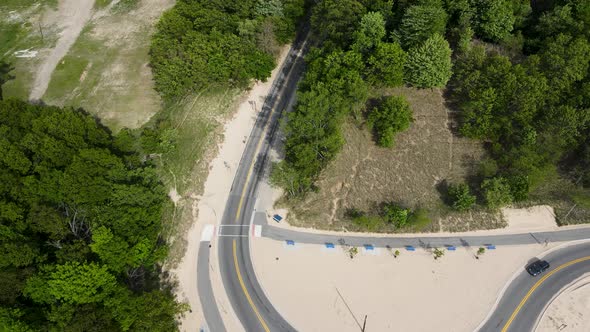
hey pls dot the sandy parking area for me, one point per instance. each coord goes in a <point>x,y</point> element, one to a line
<point>570,311</point>
<point>318,289</point>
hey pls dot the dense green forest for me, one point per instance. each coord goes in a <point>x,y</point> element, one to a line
<point>203,43</point>
<point>517,72</point>
<point>80,222</point>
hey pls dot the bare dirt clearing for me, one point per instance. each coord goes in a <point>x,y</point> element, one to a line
<point>106,72</point>
<point>364,175</point>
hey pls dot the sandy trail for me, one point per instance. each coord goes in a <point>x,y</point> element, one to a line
<point>74,15</point>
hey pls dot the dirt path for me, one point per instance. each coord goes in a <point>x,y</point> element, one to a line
<point>74,15</point>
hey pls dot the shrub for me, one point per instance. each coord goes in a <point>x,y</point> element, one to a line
<point>460,197</point>
<point>438,253</point>
<point>496,192</point>
<point>519,187</point>
<point>419,219</point>
<point>367,222</point>
<point>396,215</point>
<point>392,116</point>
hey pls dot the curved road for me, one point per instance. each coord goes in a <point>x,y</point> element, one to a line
<point>249,302</point>
<point>525,299</point>
<point>243,290</point>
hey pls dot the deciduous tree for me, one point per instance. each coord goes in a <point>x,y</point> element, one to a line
<point>429,65</point>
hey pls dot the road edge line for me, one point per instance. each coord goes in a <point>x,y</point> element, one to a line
<point>518,272</point>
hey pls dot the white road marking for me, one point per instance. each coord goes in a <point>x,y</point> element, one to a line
<point>207,233</point>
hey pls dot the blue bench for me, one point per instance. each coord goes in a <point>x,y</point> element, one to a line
<point>330,245</point>
<point>290,242</point>
<point>451,248</point>
<point>277,218</point>
<point>490,246</point>
<point>410,248</point>
<point>369,247</point>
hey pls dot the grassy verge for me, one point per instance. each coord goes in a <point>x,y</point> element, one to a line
<point>193,129</point>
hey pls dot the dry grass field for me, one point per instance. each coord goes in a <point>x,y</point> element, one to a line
<point>364,175</point>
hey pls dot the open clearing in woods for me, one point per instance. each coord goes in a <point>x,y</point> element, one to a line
<point>107,70</point>
<point>364,175</point>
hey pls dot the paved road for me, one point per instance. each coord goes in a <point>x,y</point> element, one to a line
<point>532,294</point>
<point>214,321</point>
<point>252,307</point>
<point>249,302</point>
<point>282,234</point>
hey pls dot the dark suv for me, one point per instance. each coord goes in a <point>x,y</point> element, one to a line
<point>537,268</point>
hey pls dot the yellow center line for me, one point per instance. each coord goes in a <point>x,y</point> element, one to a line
<point>252,163</point>
<point>264,326</point>
<point>239,211</point>
<point>536,285</point>
<point>272,111</point>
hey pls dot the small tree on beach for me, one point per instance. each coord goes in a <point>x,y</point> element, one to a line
<point>353,252</point>
<point>438,253</point>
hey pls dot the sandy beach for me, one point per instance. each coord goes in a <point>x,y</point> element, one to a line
<point>209,209</point>
<point>570,311</point>
<point>320,289</point>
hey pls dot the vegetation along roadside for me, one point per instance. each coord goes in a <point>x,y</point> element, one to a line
<point>514,77</point>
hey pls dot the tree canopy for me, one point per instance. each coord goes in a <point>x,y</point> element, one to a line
<point>516,71</point>
<point>429,65</point>
<point>390,117</point>
<point>421,22</point>
<point>202,43</point>
<point>80,223</point>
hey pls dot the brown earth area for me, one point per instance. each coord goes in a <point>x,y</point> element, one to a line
<point>364,175</point>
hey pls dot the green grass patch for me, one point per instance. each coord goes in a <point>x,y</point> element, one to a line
<point>19,86</point>
<point>125,6</point>
<point>10,34</point>
<point>190,131</point>
<point>100,4</point>
<point>419,220</point>
<point>23,4</point>
<point>66,80</point>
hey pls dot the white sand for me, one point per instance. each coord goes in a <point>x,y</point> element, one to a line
<point>211,205</point>
<point>410,293</point>
<point>570,311</point>
<point>534,219</point>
